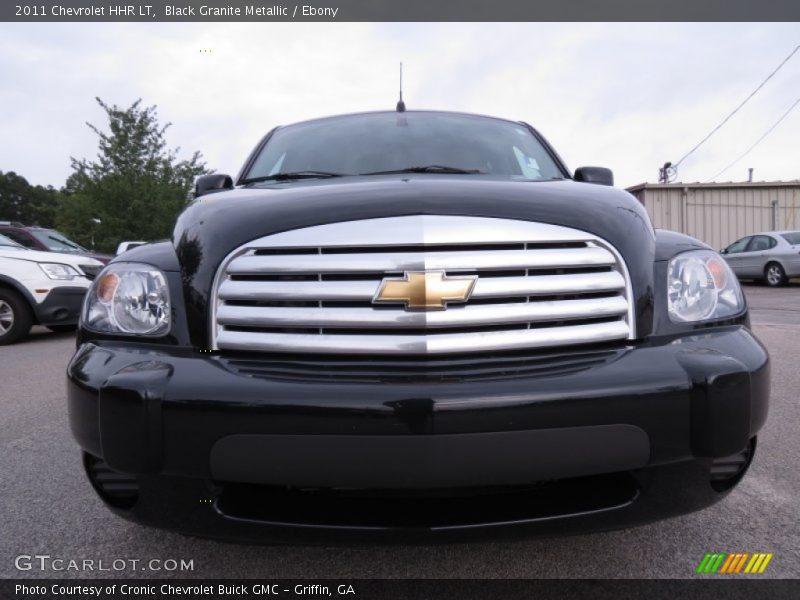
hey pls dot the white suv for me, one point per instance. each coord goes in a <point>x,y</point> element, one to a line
<point>45,288</point>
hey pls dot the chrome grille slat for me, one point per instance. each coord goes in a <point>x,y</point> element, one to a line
<point>550,258</point>
<point>500,287</point>
<point>538,286</point>
<point>439,343</point>
<point>270,316</point>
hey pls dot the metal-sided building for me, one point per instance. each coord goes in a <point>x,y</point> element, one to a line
<point>721,213</point>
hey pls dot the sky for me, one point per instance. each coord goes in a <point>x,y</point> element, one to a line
<point>624,96</point>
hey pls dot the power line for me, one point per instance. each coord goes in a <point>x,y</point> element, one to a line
<point>735,110</point>
<point>758,141</point>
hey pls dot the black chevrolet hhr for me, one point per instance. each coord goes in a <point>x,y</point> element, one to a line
<point>401,325</point>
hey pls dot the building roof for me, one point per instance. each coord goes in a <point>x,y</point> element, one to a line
<point>715,184</point>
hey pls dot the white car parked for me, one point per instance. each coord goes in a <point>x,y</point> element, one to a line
<point>770,256</point>
<point>45,288</point>
<point>125,246</point>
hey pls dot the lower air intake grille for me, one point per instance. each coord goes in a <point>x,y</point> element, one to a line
<point>468,368</point>
<point>120,490</point>
<point>727,471</point>
<point>442,509</point>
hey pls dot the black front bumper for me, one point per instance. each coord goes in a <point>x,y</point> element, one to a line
<point>62,306</point>
<point>276,448</point>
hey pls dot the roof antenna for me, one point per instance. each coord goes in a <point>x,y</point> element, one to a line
<point>401,106</point>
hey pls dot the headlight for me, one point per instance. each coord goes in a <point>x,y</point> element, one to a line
<point>128,298</point>
<point>701,286</point>
<point>58,271</point>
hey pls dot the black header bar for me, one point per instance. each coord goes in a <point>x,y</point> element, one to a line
<point>398,10</point>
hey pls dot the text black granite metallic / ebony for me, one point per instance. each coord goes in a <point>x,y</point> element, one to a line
<point>414,325</point>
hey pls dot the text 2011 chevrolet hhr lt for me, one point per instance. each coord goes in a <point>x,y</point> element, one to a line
<point>414,324</point>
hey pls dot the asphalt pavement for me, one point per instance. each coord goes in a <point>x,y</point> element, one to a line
<point>48,507</point>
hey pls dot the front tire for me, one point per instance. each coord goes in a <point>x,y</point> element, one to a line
<point>16,317</point>
<point>774,275</point>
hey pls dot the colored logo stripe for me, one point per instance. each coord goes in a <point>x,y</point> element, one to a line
<point>758,563</point>
<point>722,563</point>
<point>735,563</point>
<point>729,563</point>
<point>710,563</point>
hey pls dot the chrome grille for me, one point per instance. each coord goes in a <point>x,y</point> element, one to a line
<point>311,290</point>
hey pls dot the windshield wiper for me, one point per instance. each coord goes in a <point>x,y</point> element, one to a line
<point>429,169</point>
<point>294,175</point>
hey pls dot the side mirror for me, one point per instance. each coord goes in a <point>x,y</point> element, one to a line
<point>723,251</point>
<point>208,184</point>
<point>598,175</point>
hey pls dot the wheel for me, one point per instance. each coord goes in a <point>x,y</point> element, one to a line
<point>16,317</point>
<point>62,328</point>
<point>774,275</point>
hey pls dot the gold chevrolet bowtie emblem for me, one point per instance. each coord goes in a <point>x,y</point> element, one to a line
<point>425,290</point>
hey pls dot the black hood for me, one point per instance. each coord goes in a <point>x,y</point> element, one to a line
<point>217,224</point>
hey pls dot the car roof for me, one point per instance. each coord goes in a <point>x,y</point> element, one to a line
<point>21,226</point>
<point>776,232</point>
<point>407,112</point>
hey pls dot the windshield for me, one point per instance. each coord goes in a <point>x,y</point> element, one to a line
<point>6,242</point>
<point>425,142</point>
<point>793,237</point>
<point>57,242</point>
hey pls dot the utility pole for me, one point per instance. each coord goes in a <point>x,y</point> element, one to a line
<point>667,173</point>
<point>94,223</point>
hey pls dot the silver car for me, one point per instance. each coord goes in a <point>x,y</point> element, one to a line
<point>771,256</point>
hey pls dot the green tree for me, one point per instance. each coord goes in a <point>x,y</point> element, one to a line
<point>26,203</point>
<point>136,187</point>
